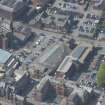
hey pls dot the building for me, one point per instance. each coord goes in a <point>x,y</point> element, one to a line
<point>8,61</point>
<point>97,4</point>
<point>79,97</point>
<point>38,4</point>
<point>4,56</point>
<point>4,29</point>
<point>81,52</point>
<point>21,35</point>
<point>46,90</point>
<point>54,21</point>
<point>101,100</point>
<point>12,63</point>
<point>3,42</point>
<point>66,68</point>
<point>18,90</point>
<point>101,36</point>
<point>53,55</point>
<point>21,81</point>
<point>71,62</point>
<point>67,6</point>
<point>48,62</point>
<point>18,36</point>
<point>12,9</point>
<point>60,88</point>
<point>64,101</point>
<point>58,92</point>
<point>42,89</point>
<point>2,88</point>
<point>88,26</point>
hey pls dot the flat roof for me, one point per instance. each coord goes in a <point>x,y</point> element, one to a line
<point>19,74</point>
<point>42,83</point>
<point>81,52</point>
<point>4,56</point>
<point>11,5</point>
<point>53,54</point>
<point>68,6</point>
<point>65,65</point>
<point>59,20</point>
<point>8,3</point>
<point>78,52</point>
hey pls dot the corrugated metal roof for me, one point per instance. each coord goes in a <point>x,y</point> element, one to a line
<point>4,56</point>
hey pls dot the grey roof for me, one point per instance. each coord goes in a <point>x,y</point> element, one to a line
<point>42,83</point>
<point>81,52</point>
<point>23,33</point>
<point>6,8</point>
<point>8,3</point>
<point>4,56</point>
<point>79,95</point>
<point>78,52</point>
<point>5,25</point>
<point>103,102</point>
<point>53,55</point>
<point>11,5</point>
<point>18,5</point>
<point>2,84</point>
<point>101,36</point>
<point>20,36</point>
<point>65,65</point>
<point>19,74</point>
<point>59,20</point>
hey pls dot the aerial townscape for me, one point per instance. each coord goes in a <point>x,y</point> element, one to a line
<point>52,52</point>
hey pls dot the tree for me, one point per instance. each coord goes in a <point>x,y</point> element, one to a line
<point>101,75</point>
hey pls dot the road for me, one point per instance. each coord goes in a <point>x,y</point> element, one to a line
<point>75,32</point>
<point>96,43</point>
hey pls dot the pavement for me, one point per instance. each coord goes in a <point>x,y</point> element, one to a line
<point>44,42</point>
<point>5,102</point>
<point>74,35</point>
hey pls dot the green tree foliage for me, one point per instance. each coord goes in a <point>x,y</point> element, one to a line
<point>101,75</point>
